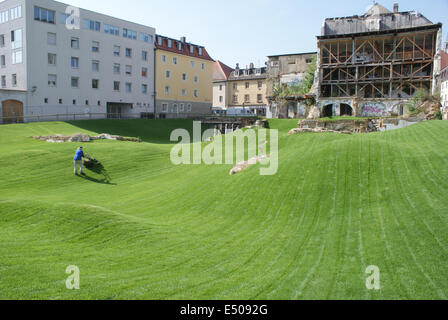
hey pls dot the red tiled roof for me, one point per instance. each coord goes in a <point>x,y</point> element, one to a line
<point>185,48</point>
<point>444,62</point>
<point>221,71</point>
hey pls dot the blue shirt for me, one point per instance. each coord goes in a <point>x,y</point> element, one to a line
<point>78,155</point>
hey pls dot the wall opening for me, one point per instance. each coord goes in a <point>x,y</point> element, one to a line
<point>346,110</point>
<point>327,111</point>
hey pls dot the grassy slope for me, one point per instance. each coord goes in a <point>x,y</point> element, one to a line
<point>337,205</point>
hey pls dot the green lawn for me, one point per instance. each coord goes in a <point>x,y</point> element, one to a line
<point>337,205</point>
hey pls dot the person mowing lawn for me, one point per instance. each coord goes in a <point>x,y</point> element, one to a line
<point>78,161</point>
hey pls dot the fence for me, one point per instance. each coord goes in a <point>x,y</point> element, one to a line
<point>94,116</point>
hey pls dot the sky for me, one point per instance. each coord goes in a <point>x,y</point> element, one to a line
<point>245,31</point>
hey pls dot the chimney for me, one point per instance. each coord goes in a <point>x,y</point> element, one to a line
<point>251,66</point>
<point>396,8</point>
<point>183,39</point>
<point>237,66</point>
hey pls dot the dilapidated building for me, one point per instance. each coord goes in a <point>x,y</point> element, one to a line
<point>370,65</point>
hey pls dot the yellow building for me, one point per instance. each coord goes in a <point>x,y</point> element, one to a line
<point>183,79</point>
<point>247,89</point>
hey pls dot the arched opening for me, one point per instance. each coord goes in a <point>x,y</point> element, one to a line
<point>327,111</point>
<point>346,110</point>
<point>12,111</point>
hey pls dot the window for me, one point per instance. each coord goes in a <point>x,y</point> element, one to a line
<point>16,13</point>
<point>95,46</point>
<point>51,59</point>
<point>203,66</point>
<point>4,81</point>
<point>167,90</point>
<point>247,98</point>
<point>14,80</point>
<point>16,39</point>
<point>235,98</point>
<point>44,15</point>
<point>220,99</point>
<point>128,52</point>
<point>116,68</point>
<point>170,43</point>
<point>75,82</point>
<point>144,37</point>
<point>144,88</point>
<point>179,46</point>
<point>51,38</point>
<point>196,79</point>
<point>91,25</point>
<point>159,41</point>
<point>200,51</point>
<point>174,60</point>
<point>115,31</point>
<point>99,103</point>
<point>116,85</point>
<point>75,43</point>
<point>164,58</point>
<point>87,102</point>
<point>117,50</point>
<point>45,100</point>
<point>235,86</point>
<point>144,72</point>
<point>75,62</point>
<point>3,61</point>
<point>184,92</point>
<point>68,19</point>
<point>130,34</point>
<point>52,80</point>
<point>188,107</point>
<point>184,76</point>
<point>182,107</point>
<point>196,94</point>
<point>164,107</point>
<point>259,98</point>
<point>192,64</point>
<point>309,60</point>
<point>60,101</point>
<point>247,85</point>
<point>74,101</point>
<point>260,85</point>
<point>17,57</point>
<point>2,40</point>
<point>220,87</point>
<point>95,84</point>
<point>145,55</point>
<point>128,87</point>
<point>95,66</point>
<point>4,17</point>
<point>191,49</point>
<point>174,110</point>
<point>128,70</point>
<point>168,74</point>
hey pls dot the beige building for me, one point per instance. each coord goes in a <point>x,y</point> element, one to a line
<point>184,74</point>
<point>247,89</point>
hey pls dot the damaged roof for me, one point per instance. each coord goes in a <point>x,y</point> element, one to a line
<point>376,19</point>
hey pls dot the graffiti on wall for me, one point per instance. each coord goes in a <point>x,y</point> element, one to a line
<point>374,109</point>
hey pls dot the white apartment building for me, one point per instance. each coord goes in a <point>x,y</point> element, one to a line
<point>60,60</point>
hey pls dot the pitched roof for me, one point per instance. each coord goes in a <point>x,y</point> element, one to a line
<point>185,47</point>
<point>249,74</point>
<point>376,10</point>
<point>221,71</point>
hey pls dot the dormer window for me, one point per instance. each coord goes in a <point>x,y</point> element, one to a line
<point>200,51</point>
<point>170,43</point>
<point>191,49</point>
<point>179,46</point>
<point>236,73</point>
<point>247,72</point>
<point>258,71</point>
